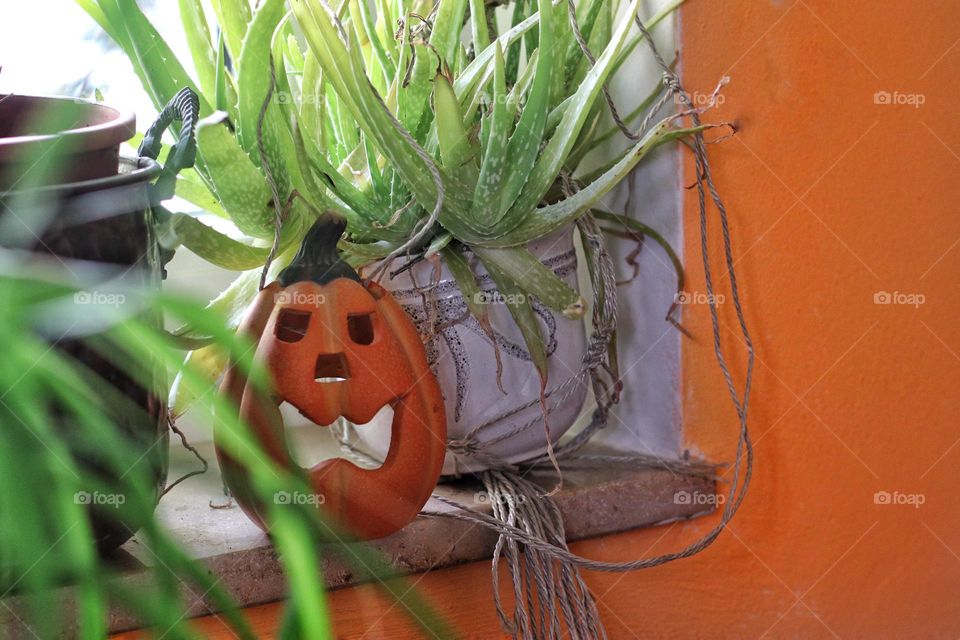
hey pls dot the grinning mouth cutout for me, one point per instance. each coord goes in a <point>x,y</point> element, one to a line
<point>310,446</point>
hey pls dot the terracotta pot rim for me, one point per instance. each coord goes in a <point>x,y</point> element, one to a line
<point>118,129</point>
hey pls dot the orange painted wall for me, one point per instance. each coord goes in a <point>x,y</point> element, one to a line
<point>834,198</point>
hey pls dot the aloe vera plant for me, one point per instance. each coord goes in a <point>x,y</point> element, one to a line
<point>441,134</point>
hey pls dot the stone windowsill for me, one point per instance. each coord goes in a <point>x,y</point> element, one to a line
<point>593,502</point>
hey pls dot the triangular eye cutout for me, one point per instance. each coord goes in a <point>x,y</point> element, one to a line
<point>360,327</point>
<point>292,325</point>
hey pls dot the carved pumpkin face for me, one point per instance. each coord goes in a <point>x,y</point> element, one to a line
<point>336,347</point>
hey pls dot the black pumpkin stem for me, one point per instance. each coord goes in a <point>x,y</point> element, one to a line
<point>318,259</point>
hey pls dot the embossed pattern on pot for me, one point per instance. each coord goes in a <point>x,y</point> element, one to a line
<point>462,357</point>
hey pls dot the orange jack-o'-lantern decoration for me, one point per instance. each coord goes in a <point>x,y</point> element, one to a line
<point>338,347</point>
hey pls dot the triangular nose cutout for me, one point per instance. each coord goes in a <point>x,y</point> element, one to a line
<point>331,367</point>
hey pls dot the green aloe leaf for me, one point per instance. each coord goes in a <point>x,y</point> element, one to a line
<point>236,181</point>
<point>467,283</point>
<point>211,361</point>
<point>472,99</point>
<point>549,218</point>
<point>447,26</point>
<point>455,148</point>
<point>297,547</point>
<point>225,91</point>
<point>597,41</point>
<point>554,156</point>
<point>345,72</point>
<point>524,145</point>
<point>478,25</point>
<point>587,14</point>
<point>233,16</point>
<point>312,102</point>
<point>201,47</point>
<point>253,82</point>
<point>521,310</point>
<point>413,100</point>
<point>494,164</point>
<point>215,247</point>
<point>361,16</point>
<point>515,50</point>
<point>191,188</point>
<point>588,144</point>
<point>477,68</point>
<point>159,70</point>
<point>529,274</point>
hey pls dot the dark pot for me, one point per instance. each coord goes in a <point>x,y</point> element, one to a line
<point>110,219</point>
<point>84,136</point>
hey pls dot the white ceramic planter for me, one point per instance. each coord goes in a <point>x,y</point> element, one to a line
<point>462,357</point>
